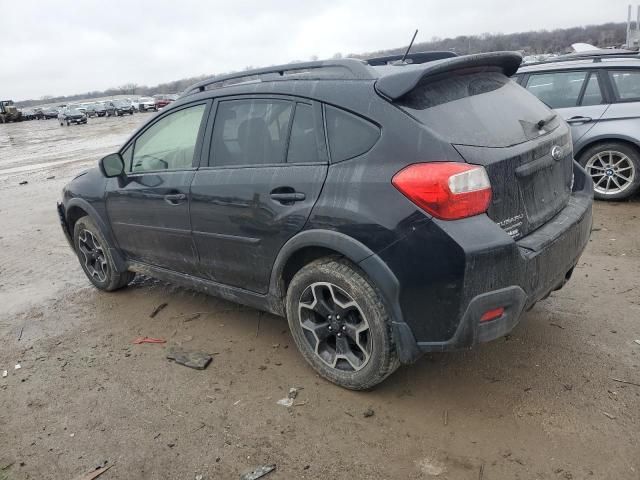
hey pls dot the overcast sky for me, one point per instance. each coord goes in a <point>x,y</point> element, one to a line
<point>71,46</point>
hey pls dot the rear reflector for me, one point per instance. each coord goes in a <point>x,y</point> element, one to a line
<point>492,314</point>
<point>446,190</point>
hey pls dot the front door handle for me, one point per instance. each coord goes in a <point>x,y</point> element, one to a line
<point>175,199</point>
<point>579,120</point>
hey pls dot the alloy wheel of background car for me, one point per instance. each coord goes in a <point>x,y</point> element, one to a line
<point>612,172</point>
<point>334,326</point>
<point>95,261</point>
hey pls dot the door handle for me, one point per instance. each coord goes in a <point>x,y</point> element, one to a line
<point>579,120</point>
<point>175,199</point>
<point>287,197</point>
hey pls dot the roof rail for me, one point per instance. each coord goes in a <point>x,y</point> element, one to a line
<point>596,57</point>
<point>413,58</point>
<point>348,69</point>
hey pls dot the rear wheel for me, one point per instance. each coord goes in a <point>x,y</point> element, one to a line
<point>95,258</point>
<point>614,168</point>
<point>340,325</point>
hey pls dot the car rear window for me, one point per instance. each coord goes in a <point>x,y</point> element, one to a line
<point>303,144</point>
<point>349,135</point>
<point>481,109</point>
<point>626,84</point>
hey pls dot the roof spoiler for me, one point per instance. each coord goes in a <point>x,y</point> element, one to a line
<point>397,84</point>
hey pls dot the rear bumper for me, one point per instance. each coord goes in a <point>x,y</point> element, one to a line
<point>471,266</point>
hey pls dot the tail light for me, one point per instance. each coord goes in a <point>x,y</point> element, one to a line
<point>446,190</point>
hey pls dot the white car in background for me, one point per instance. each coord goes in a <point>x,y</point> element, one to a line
<point>146,104</point>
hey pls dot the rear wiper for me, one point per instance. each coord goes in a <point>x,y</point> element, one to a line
<point>546,121</point>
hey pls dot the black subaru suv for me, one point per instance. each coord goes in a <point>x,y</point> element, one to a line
<point>386,208</point>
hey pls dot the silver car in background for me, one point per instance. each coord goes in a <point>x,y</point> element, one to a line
<point>598,94</point>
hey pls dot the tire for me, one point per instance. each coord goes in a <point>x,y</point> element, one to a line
<point>97,263</point>
<point>344,290</point>
<point>619,182</point>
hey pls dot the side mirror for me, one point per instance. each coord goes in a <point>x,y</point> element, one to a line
<point>112,165</point>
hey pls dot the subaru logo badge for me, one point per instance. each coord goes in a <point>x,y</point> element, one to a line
<point>556,153</point>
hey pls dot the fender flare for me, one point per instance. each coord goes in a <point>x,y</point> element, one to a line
<point>581,146</point>
<point>118,258</point>
<point>373,266</point>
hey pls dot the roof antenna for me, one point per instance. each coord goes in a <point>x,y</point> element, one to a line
<point>410,45</point>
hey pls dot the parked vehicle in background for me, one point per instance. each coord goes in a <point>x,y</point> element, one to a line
<point>37,111</point>
<point>71,114</point>
<point>28,114</point>
<point>162,100</point>
<point>50,112</point>
<point>134,103</point>
<point>118,108</point>
<point>96,110</point>
<point>146,104</point>
<point>598,94</point>
<point>386,210</point>
<point>9,112</point>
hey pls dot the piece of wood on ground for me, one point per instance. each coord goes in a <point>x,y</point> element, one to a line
<point>93,473</point>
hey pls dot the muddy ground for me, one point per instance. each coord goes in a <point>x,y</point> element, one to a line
<point>537,404</point>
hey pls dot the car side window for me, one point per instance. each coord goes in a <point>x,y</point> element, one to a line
<point>592,93</point>
<point>169,144</point>
<point>349,135</point>
<point>626,85</point>
<point>250,132</point>
<point>303,143</point>
<point>558,89</point>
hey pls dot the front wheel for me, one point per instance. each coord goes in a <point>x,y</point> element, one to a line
<point>340,325</point>
<point>95,258</point>
<point>614,168</point>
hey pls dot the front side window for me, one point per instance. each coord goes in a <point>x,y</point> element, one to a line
<point>250,132</point>
<point>169,144</point>
<point>559,89</point>
<point>626,85</point>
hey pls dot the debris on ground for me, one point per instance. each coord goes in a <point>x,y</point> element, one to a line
<point>258,472</point>
<point>4,373</point>
<point>197,360</point>
<point>637,341</point>
<point>94,473</point>
<point>625,381</point>
<point>158,309</point>
<point>17,367</point>
<point>288,401</point>
<point>285,402</point>
<point>24,182</point>
<point>51,177</point>
<point>609,416</point>
<point>368,413</point>
<point>139,340</point>
<point>194,316</point>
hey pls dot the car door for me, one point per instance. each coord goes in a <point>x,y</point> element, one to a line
<point>623,114</point>
<point>266,166</point>
<point>577,96</point>
<point>149,208</point>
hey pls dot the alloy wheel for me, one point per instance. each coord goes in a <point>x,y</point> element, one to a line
<point>612,172</point>
<point>95,261</point>
<point>334,326</point>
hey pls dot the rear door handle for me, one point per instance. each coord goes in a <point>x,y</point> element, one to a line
<point>288,197</point>
<point>579,120</point>
<point>175,199</point>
